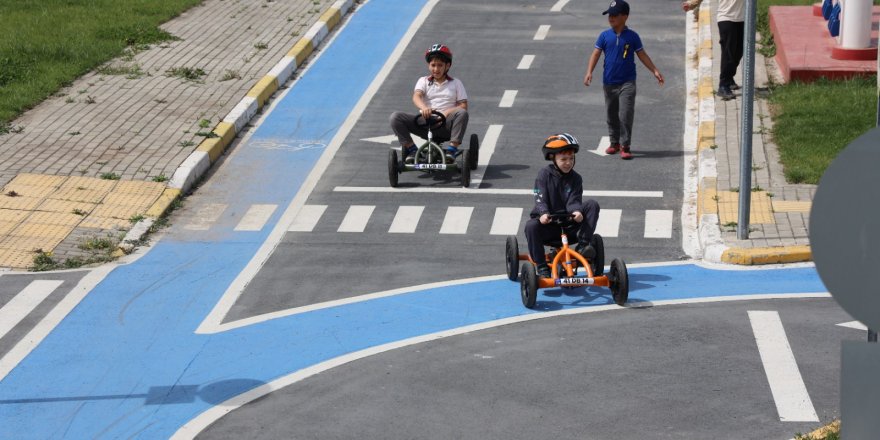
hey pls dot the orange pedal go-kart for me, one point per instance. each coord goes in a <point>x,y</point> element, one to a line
<point>564,263</point>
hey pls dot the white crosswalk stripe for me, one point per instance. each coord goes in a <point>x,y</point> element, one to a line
<point>658,224</point>
<point>356,218</point>
<point>206,216</point>
<point>255,217</point>
<point>24,303</point>
<point>406,220</point>
<point>609,222</point>
<point>307,218</point>
<point>506,221</point>
<point>457,220</point>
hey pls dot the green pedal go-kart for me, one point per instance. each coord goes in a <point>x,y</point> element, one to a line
<point>431,156</point>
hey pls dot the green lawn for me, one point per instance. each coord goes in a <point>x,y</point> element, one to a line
<point>46,44</point>
<point>813,122</point>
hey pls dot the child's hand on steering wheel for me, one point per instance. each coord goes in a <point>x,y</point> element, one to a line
<point>577,216</point>
<point>544,219</point>
<point>426,112</point>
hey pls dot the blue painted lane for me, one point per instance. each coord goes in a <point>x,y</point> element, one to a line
<point>127,363</point>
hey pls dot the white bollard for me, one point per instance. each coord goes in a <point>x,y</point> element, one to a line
<point>855,24</point>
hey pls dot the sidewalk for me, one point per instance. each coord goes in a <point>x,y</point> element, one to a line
<point>92,168</point>
<point>779,217</point>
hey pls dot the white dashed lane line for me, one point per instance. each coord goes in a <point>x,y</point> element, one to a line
<point>542,32</point>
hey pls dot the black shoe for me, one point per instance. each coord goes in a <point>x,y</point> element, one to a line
<point>586,251</point>
<point>734,86</point>
<point>725,93</point>
<point>543,270</point>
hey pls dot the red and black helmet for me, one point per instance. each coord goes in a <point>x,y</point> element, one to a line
<point>558,143</point>
<point>438,50</point>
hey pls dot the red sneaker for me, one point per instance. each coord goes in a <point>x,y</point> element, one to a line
<point>613,149</point>
<point>625,154</point>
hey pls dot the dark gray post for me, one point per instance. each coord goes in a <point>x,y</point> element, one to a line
<point>745,137</point>
<point>872,336</point>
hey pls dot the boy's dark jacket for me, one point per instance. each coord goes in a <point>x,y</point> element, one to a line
<point>557,193</point>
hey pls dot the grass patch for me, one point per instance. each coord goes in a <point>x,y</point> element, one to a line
<point>193,74</point>
<point>47,44</point>
<point>809,127</point>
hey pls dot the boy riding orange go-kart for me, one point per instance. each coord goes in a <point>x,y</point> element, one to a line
<point>560,211</point>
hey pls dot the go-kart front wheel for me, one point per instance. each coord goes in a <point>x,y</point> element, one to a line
<point>475,151</point>
<point>597,264</point>
<point>465,169</point>
<point>619,282</point>
<point>528,285</point>
<point>511,257</point>
<point>393,170</point>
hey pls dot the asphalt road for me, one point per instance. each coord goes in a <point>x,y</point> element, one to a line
<point>489,41</point>
<point>683,371</point>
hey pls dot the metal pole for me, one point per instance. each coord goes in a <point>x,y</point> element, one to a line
<point>745,137</point>
<point>872,336</point>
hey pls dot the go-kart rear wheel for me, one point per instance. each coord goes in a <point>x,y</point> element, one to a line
<point>475,151</point>
<point>511,258</point>
<point>465,169</point>
<point>619,282</point>
<point>528,285</point>
<point>393,169</point>
<point>598,262</point>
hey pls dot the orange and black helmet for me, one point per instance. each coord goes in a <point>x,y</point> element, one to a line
<point>558,143</point>
<point>438,50</point>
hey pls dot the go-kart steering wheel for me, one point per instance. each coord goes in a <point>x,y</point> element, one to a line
<point>563,220</point>
<point>435,121</point>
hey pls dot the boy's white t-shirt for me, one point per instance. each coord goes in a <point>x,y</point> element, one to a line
<point>442,96</point>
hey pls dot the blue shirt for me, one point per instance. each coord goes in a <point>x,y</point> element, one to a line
<point>620,54</point>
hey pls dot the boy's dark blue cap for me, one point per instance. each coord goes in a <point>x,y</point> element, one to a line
<point>617,7</point>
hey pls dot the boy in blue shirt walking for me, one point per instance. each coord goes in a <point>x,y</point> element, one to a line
<point>621,45</point>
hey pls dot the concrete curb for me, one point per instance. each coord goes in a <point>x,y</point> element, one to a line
<point>709,228</point>
<point>209,150</point>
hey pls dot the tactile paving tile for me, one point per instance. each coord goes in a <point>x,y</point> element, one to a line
<point>117,211</point>
<point>16,259</point>
<point>105,223</point>
<point>13,215</point>
<point>55,218</point>
<point>30,244</point>
<point>66,206</point>
<point>79,194</point>
<point>29,190</point>
<point>38,180</point>
<point>7,227</point>
<point>88,184</point>
<point>141,201</point>
<point>792,206</point>
<point>23,203</point>
<point>139,187</point>
<point>27,229</point>
<point>760,210</point>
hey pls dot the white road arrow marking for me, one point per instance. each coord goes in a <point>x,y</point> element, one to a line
<point>855,325</point>
<point>604,143</point>
<point>392,139</point>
